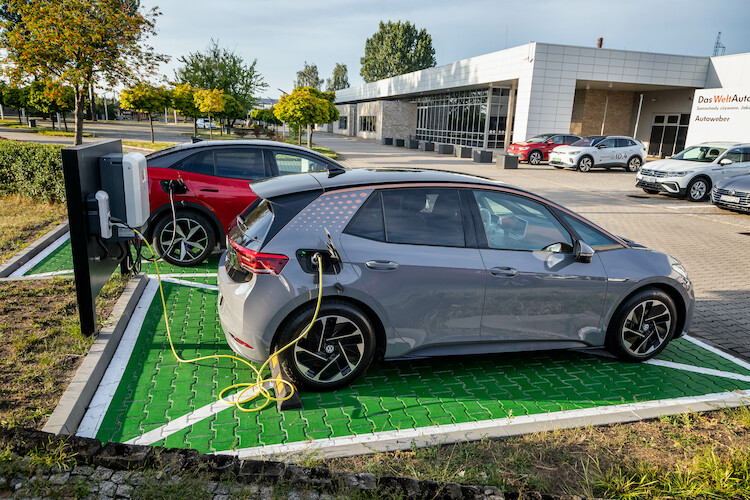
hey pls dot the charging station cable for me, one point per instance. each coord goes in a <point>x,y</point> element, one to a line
<point>260,382</point>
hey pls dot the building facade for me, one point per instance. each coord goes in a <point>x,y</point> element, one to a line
<point>490,100</point>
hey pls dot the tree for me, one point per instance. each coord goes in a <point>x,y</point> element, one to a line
<point>210,101</point>
<point>16,97</point>
<point>146,98</point>
<point>74,42</point>
<point>308,77</point>
<point>266,116</point>
<point>183,100</point>
<point>396,48</point>
<point>340,78</point>
<point>306,106</point>
<point>218,68</point>
<point>50,97</point>
<point>232,110</point>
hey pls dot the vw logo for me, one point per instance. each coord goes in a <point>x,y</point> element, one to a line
<point>732,192</point>
<point>329,349</point>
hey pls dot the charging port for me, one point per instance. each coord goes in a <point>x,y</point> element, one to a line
<point>305,258</point>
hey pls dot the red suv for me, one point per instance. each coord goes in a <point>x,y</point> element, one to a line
<point>536,149</point>
<point>210,182</point>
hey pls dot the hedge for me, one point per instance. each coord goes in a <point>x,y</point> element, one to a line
<point>33,170</point>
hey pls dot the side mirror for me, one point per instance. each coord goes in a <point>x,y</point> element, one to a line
<point>583,252</point>
<point>602,146</point>
<point>725,161</point>
<point>550,142</point>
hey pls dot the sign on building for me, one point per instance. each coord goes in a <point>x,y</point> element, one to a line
<point>719,115</point>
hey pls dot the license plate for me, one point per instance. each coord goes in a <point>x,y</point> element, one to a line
<point>556,160</point>
<point>649,179</point>
<point>730,199</point>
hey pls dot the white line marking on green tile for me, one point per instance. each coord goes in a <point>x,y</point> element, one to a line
<point>718,352</point>
<point>186,283</point>
<point>40,256</point>
<point>698,369</point>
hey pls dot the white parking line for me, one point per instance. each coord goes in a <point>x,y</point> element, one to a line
<point>698,369</point>
<point>41,256</point>
<point>718,352</point>
<point>185,282</point>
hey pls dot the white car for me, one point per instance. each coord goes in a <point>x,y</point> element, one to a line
<point>205,123</point>
<point>693,172</point>
<point>600,151</point>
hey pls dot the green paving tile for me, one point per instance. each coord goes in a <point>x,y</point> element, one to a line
<point>394,395</point>
<point>60,259</point>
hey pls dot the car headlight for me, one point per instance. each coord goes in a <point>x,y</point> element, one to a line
<point>679,174</point>
<point>682,279</point>
<point>523,148</point>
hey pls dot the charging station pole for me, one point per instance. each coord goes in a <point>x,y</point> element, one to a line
<point>94,260</point>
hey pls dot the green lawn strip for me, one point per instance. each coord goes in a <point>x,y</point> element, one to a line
<point>392,395</point>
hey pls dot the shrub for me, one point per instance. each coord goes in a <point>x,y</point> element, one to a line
<point>32,170</point>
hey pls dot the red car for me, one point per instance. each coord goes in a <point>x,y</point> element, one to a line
<point>212,185</point>
<point>536,149</point>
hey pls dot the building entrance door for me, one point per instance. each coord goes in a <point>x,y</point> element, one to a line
<point>668,133</point>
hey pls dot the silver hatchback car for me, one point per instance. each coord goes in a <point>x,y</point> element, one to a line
<point>423,263</point>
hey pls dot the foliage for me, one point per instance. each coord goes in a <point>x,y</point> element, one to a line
<point>32,170</point>
<point>15,97</point>
<point>183,100</point>
<point>218,68</point>
<point>51,97</point>
<point>74,42</point>
<point>265,115</point>
<point>306,106</point>
<point>146,98</point>
<point>395,49</point>
<point>210,101</point>
<point>340,78</point>
<point>308,77</point>
<point>233,110</point>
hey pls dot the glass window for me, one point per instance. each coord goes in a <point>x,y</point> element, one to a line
<point>559,139</point>
<point>685,119</point>
<point>735,155</point>
<point>516,223</point>
<point>570,139</point>
<point>368,221</point>
<point>631,142</point>
<point>609,143</point>
<point>200,163</point>
<point>745,154</point>
<point>240,163</point>
<point>623,143</point>
<point>659,119</point>
<point>593,237</point>
<point>343,122</point>
<point>705,154</point>
<point>291,163</point>
<point>673,119</point>
<point>367,123</point>
<point>423,216</point>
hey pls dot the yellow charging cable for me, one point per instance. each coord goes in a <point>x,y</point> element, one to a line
<point>260,381</point>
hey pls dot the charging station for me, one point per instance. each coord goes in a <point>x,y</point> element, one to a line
<point>107,198</point>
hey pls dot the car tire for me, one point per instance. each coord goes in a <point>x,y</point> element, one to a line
<point>698,189</point>
<point>317,364</point>
<point>642,325</point>
<point>585,163</point>
<point>194,242</point>
<point>650,191</point>
<point>634,164</point>
<point>535,157</point>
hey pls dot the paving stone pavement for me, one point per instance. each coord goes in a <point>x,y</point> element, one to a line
<point>709,241</point>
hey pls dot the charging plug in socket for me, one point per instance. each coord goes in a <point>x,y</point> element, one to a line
<point>306,259</point>
<point>174,185</point>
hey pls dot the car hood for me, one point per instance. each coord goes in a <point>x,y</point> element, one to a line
<point>739,183</point>
<point>671,165</point>
<point>572,149</point>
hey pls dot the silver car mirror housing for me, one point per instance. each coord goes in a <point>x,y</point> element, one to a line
<point>583,252</point>
<point>725,161</point>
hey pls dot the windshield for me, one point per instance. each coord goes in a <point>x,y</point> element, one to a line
<point>703,154</point>
<point>540,138</point>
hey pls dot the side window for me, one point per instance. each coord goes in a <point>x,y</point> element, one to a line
<point>292,163</point>
<point>609,143</point>
<point>368,221</point>
<point>594,238</point>
<point>745,154</point>
<point>570,139</point>
<point>516,223</point>
<point>240,163</point>
<point>424,216</point>
<point>559,139</point>
<point>631,142</point>
<point>199,163</point>
<point>623,143</point>
<point>735,155</point>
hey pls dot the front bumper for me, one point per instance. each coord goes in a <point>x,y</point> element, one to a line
<point>726,200</point>
<point>667,185</point>
<point>563,160</point>
<point>521,155</point>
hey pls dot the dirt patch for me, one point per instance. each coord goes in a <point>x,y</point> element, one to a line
<point>41,345</point>
<point>22,221</point>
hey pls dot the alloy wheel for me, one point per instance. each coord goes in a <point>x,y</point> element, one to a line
<point>332,349</point>
<point>646,327</point>
<point>698,190</point>
<point>634,164</point>
<point>585,164</point>
<point>190,240</point>
<point>535,158</point>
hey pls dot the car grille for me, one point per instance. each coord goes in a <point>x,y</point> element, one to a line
<point>744,197</point>
<point>653,173</point>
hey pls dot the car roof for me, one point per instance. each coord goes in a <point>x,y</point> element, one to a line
<point>228,143</point>
<point>314,181</point>
<point>722,144</point>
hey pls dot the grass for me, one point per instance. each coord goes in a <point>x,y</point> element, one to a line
<point>22,221</point>
<point>687,456</point>
<point>147,144</point>
<point>41,130</point>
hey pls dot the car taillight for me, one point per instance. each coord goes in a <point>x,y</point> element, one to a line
<point>257,262</point>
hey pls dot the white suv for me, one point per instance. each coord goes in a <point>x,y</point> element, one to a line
<point>693,172</point>
<point>597,151</point>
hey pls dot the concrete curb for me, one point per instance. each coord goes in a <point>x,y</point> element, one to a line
<point>32,250</point>
<point>74,402</point>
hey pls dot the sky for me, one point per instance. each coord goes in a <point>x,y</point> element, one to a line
<point>281,35</point>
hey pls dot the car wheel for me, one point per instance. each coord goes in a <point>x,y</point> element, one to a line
<point>698,189</point>
<point>335,352</point>
<point>585,164</point>
<point>642,326</point>
<point>194,241</point>
<point>650,191</point>
<point>535,158</point>
<point>634,164</point>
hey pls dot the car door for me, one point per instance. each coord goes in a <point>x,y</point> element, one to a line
<point>536,289</point>
<point>410,248</point>
<point>740,163</point>
<point>605,152</point>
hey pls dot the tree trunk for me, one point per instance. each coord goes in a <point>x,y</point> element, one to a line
<point>151,124</point>
<point>92,102</point>
<point>299,134</point>
<point>65,122</point>
<point>210,127</point>
<point>195,126</point>
<point>78,113</point>
<point>309,136</point>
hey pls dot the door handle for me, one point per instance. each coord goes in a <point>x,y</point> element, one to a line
<point>381,265</point>
<point>503,272</point>
<point>209,190</point>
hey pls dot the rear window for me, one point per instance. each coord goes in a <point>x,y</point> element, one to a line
<point>253,225</point>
